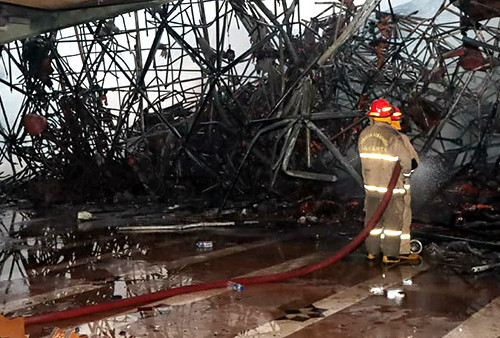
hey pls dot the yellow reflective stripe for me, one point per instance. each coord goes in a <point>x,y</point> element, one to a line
<point>392,233</point>
<point>375,188</point>
<point>383,189</point>
<point>376,232</point>
<point>405,236</point>
<point>406,175</point>
<point>407,186</point>
<point>382,236</point>
<point>375,156</point>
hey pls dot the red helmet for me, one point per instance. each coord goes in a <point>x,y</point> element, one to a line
<point>380,108</point>
<point>396,115</point>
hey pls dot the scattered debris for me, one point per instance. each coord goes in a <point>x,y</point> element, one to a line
<point>307,220</point>
<point>60,333</point>
<point>396,295</point>
<point>462,257</point>
<point>84,216</point>
<point>407,282</point>
<point>482,268</point>
<point>377,290</point>
<point>235,286</point>
<point>174,227</point>
<point>205,245</point>
<point>463,247</point>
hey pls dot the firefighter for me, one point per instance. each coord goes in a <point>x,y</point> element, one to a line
<point>405,236</point>
<point>380,147</point>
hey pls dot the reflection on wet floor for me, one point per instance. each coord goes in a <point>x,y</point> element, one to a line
<point>45,267</point>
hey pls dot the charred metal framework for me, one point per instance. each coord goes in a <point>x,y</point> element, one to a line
<point>232,98</point>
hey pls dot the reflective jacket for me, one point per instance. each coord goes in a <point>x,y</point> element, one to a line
<point>380,147</point>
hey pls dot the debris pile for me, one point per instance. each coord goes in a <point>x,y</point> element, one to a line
<point>159,108</point>
<point>461,257</point>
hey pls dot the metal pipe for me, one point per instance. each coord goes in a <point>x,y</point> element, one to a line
<point>482,268</point>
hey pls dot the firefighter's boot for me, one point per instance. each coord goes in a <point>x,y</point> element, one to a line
<point>410,257</point>
<point>390,260</point>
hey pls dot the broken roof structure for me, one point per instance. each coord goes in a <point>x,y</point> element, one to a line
<point>172,95</point>
<point>249,112</point>
<point>68,4</point>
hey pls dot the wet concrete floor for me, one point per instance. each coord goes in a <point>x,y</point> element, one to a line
<point>53,263</point>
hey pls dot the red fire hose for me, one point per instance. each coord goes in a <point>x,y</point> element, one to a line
<point>155,296</point>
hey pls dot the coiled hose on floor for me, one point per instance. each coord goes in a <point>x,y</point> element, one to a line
<point>155,296</point>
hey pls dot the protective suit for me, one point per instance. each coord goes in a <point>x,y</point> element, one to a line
<point>405,236</point>
<point>380,147</point>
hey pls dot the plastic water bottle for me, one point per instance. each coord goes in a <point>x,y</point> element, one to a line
<point>235,286</point>
<point>205,244</point>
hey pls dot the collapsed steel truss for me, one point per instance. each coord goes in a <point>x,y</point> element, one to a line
<point>227,96</point>
<point>233,98</point>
